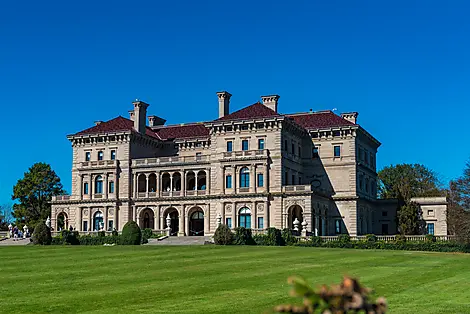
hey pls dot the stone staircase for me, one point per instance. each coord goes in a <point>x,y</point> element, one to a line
<point>192,240</point>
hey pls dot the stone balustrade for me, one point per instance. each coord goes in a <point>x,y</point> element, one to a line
<point>98,164</point>
<point>297,188</point>
<point>165,161</point>
<point>261,153</point>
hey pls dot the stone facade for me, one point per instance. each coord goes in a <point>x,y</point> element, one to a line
<point>254,167</point>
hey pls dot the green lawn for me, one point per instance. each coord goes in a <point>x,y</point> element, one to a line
<point>210,279</point>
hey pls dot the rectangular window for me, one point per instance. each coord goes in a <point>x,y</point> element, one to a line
<point>113,155</point>
<point>85,226</point>
<point>260,180</point>
<point>228,182</point>
<point>430,227</point>
<point>384,214</point>
<point>100,155</point>
<point>338,226</point>
<point>300,180</point>
<point>245,127</point>
<point>285,145</point>
<point>229,146</point>
<point>85,188</point>
<point>286,178</point>
<point>87,156</point>
<point>293,149</point>
<point>367,158</point>
<point>261,143</point>
<point>198,156</point>
<point>315,152</point>
<point>299,152</point>
<point>260,223</point>
<point>110,225</point>
<point>371,160</point>
<point>228,222</point>
<point>384,229</point>
<point>244,144</point>
<point>111,187</point>
<point>293,179</point>
<point>337,151</point>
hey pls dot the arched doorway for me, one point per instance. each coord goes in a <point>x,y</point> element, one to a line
<point>61,221</point>
<point>295,211</point>
<point>244,218</point>
<point>196,223</point>
<point>174,220</point>
<point>98,222</point>
<point>147,219</point>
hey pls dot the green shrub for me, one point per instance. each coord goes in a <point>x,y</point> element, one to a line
<point>344,238</point>
<point>131,234</point>
<point>115,233</point>
<point>42,235</point>
<point>101,233</point>
<point>288,237</point>
<point>371,238</point>
<point>95,240</point>
<point>274,237</point>
<point>261,239</point>
<point>69,237</point>
<point>316,241</point>
<point>243,237</point>
<point>430,238</point>
<point>400,238</point>
<point>223,235</point>
<point>147,233</point>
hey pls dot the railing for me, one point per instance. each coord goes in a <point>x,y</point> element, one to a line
<point>391,238</point>
<point>172,193</point>
<point>160,161</point>
<point>297,188</point>
<point>247,153</point>
<point>258,231</point>
<point>99,163</point>
<point>62,197</point>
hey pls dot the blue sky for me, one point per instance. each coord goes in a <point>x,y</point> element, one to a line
<point>403,65</point>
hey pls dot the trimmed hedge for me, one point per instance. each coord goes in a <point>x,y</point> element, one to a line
<point>288,237</point>
<point>131,234</point>
<point>396,245</point>
<point>223,235</point>
<point>243,237</point>
<point>42,235</point>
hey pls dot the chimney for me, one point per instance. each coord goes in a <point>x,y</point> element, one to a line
<point>98,122</point>
<point>131,115</point>
<point>271,101</point>
<point>350,116</point>
<point>140,116</point>
<point>155,121</point>
<point>224,102</point>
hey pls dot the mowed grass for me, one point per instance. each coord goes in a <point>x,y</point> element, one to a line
<point>213,279</point>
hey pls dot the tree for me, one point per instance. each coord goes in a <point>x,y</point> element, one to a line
<point>34,193</point>
<point>458,208</point>
<point>403,182</point>
<point>5,217</point>
<point>406,181</point>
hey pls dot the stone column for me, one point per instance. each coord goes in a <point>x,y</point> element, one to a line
<point>195,180</point>
<point>90,219</point>
<point>158,184</point>
<point>234,179</point>
<point>171,184</point>
<point>80,218</point>
<point>186,223</point>
<point>162,220</point>
<point>183,182</point>
<point>90,186</point>
<point>208,181</point>
<point>181,223</point>
<point>116,218</point>
<point>253,216</point>
<point>135,186</point>
<point>267,222</point>
<point>266,177</point>
<point>105,188</point>
<point>105,218</point>
<point>81,190</point>
<point>317,223</point>
<point>234,216</point>
<point>222,168</point>
<point>253,178</point>
<point>116,185</point>
<point>147,185</point>
<point>207,220</point>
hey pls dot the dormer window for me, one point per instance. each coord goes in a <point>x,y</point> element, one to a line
<point>100,155</point>
<point>244,127</point>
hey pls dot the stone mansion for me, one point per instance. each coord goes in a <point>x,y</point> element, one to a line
<point>254,167</point>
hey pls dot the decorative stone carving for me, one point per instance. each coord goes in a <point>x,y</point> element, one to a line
<point>85,212</point>
<point>296,224</point>
<point>228,208</point>
<point>260,208</point>
<point>111,211</point>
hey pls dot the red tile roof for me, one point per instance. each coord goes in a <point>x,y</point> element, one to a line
<point>257,110</point>
<point>181,131</point>
<point>318,120</point>
<point>114,125</point>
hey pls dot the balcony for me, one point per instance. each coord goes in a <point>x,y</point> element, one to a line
<point>98,164</point>
<point>297,188</point>
<point>252,154</point>
<point>164,161</point>
<point>62,198</point>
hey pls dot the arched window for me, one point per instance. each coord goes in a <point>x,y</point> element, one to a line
<point>197,215</point>
<point>244,178</point>
<point>99,185</point>
<point>244,218</point>
<point>98,222</point>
